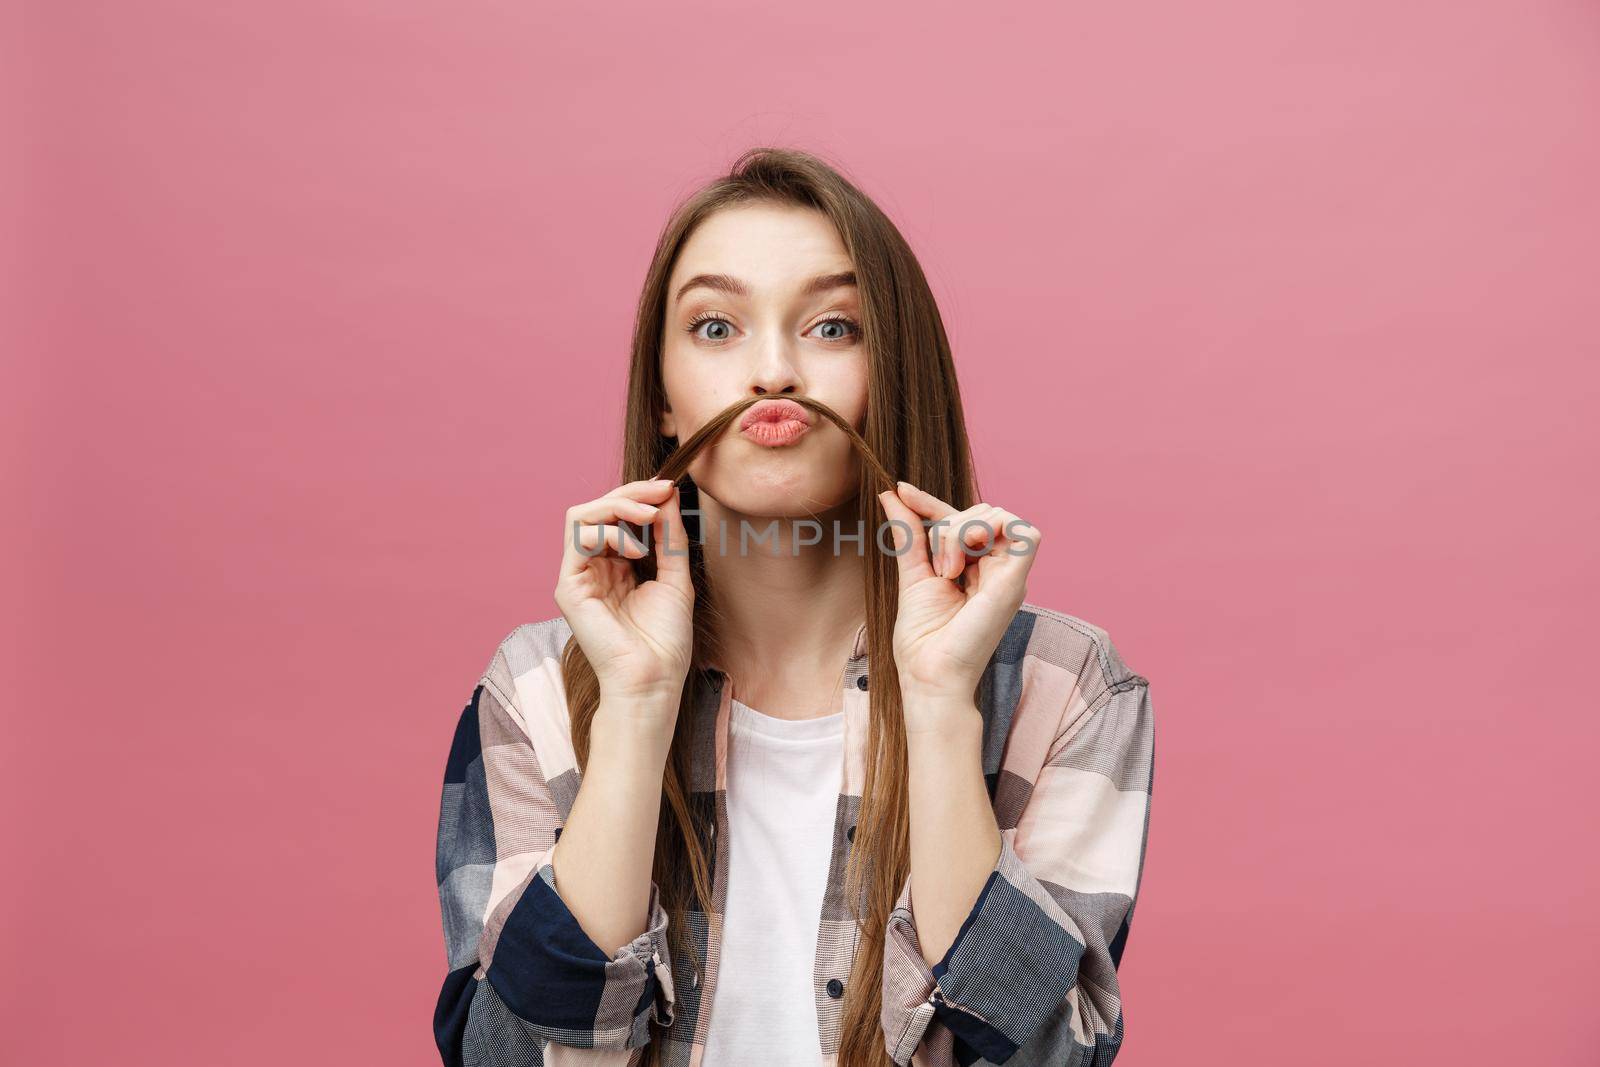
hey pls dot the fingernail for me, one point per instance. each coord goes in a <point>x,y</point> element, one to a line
<point>662,481</point>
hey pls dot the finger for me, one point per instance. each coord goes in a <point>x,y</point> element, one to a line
<point>910,540</point>
<point>948,538</point>
<point>1024,536</point>
<point>980,527</point>
<point>1003,586</point>
<point>922,501</point>
<point>607,540</point>
<point>672,551</point>
<point>612,508</point>
<point>993,531</point>
<point>650,490</point>
<point>939,538</point>
<point>605,510</point>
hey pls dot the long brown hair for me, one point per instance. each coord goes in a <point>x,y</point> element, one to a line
<point>914,430</point>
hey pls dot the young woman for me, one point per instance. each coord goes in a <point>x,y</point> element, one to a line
<point>797,776</point>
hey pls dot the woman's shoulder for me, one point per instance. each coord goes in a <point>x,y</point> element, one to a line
<point>542,640</point>
<point>1072,643</point>
<point>528,647</point>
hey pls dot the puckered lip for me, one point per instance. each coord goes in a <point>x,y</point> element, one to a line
<point>774,411</point>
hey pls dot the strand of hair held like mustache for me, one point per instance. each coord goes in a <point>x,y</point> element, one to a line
<point>676,465</point>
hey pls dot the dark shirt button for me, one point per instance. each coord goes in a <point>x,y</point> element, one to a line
<point>849,834</point>
<point>835,988</point>
<point>861,682</point>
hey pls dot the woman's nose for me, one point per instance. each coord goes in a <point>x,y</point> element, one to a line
<point>775,370</point>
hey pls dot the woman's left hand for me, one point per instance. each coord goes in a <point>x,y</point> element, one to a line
<point>953,608</point>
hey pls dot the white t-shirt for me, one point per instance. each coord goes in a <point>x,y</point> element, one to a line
<point>783,792</point>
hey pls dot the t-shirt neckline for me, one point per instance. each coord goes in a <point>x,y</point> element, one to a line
<point>822,727</point>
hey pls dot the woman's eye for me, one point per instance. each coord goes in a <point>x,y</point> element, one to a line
<point>715,329</point>
<point>838,329</point>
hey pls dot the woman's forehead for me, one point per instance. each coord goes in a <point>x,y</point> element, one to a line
<point>762,248</point>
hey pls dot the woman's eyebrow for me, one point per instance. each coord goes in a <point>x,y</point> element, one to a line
<point>726,283</point>
<point>826,283</point>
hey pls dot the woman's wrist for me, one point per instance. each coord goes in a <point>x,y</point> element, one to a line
<point>941,713</point>
<point>636,722</point>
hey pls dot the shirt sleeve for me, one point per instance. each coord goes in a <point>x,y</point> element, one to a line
<point>521,974</point>
<point>1034,965</point>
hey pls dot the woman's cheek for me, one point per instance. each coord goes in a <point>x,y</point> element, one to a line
<point>842,467</point>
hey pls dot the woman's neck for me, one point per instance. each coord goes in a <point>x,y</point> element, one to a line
<point>789,616</point>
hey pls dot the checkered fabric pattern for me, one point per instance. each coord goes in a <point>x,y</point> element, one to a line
<point>1068,754</point>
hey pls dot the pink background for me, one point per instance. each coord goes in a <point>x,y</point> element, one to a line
<point>1280,316</point>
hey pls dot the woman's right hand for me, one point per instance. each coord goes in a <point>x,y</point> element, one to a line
<point>639,638</point>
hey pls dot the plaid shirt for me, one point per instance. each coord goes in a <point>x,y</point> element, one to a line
<point>1068,749</point>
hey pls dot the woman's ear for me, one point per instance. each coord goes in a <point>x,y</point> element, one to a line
<point>669,422</point>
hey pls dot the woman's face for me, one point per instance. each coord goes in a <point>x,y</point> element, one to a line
<point>756,305</point>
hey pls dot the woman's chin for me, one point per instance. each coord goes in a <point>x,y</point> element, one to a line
<point>760,496</point>
<point>779,482</point>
